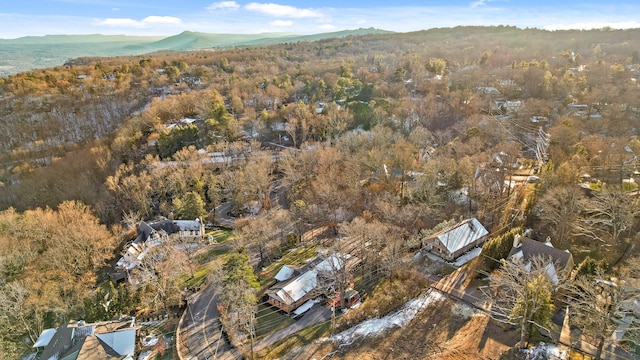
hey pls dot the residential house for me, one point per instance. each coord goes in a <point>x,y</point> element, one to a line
<point>297,286</point>
<point>528,249</point>
<point>488,90</point>
<point>506,107</point>
<point>190,228</point>
<point>450,243</point>
<point>539,120</point>
<point>151,235</point>
<point>115,339</point>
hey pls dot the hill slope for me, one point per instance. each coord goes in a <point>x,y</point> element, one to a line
<point>33,52</point>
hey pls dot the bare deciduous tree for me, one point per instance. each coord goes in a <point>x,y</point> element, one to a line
<point>158,274</point>
<point>607,216</point>
<point>560,211</point>
<point>593,302</point>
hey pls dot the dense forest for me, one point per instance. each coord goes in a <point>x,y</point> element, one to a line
<point>400,132</point>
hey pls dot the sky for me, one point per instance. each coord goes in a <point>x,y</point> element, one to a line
<point>170,17</point>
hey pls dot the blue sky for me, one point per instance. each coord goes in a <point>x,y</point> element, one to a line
<point>170,17</point>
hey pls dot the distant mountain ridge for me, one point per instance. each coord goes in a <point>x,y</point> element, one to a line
<point>34,52</point>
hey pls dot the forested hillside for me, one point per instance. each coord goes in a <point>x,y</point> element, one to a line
<point>397,131</point>
<point>34,52</point>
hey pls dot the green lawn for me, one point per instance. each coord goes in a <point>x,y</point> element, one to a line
<point>220,235</point>
<point>295,257</point>
<point>629,186</point>
<point>211,254</point>
<point>268,320</point>
<point>199,277</point>
<point>303,337</point>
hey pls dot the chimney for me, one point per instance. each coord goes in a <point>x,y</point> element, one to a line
<point>516,241</point>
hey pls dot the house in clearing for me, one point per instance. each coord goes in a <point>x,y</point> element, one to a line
<point>107,340</point>
<point>151,235</point>
<point>450,243</point>
<point>296,287</point>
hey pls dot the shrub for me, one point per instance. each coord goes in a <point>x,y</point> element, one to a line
<point>498,248</point>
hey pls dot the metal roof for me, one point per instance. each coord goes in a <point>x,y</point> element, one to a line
<point>461,235</point>
<point>285,273</point>
<point>299,287</point>
<point>45,337</point>
<point>123,341</point>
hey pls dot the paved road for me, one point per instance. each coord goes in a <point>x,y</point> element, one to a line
<point>201,330</point>
<point>222,216</point>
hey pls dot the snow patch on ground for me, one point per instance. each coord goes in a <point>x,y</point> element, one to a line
<point>374,327</point>
<point>545,351</point>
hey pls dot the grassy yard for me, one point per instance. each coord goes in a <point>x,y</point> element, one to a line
<point>220,235</point>
<point>629,186</point>
<point>301,338</point>
<point>199,277</point>
<point>164,330</point>
<point>295,257</point>
<point>214,252</point>
<point>268,320</point>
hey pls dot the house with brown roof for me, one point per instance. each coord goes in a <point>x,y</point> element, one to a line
<point>107,340</point>
<point>456,240</point>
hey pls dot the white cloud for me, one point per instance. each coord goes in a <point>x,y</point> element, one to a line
<point>283,10</point>
<point>115,9</point>
<point>118,22</point>
<point>161,20</point>
<point>146,22</point>
<point>478,3</point>
<point>282,23</point>
<point>223,5</point>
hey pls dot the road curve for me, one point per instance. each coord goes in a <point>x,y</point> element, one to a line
<point>201,331</point>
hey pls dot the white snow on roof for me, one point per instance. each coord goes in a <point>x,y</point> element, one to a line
<point>285,273</point>
<point>306,282</point>
<point>123,342</point>
<point>551,272</point>
<point>519,254</point>
<point>305,307</point>
<point>45,337</point>
<point>332,263</point>
<point>462,235</point>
